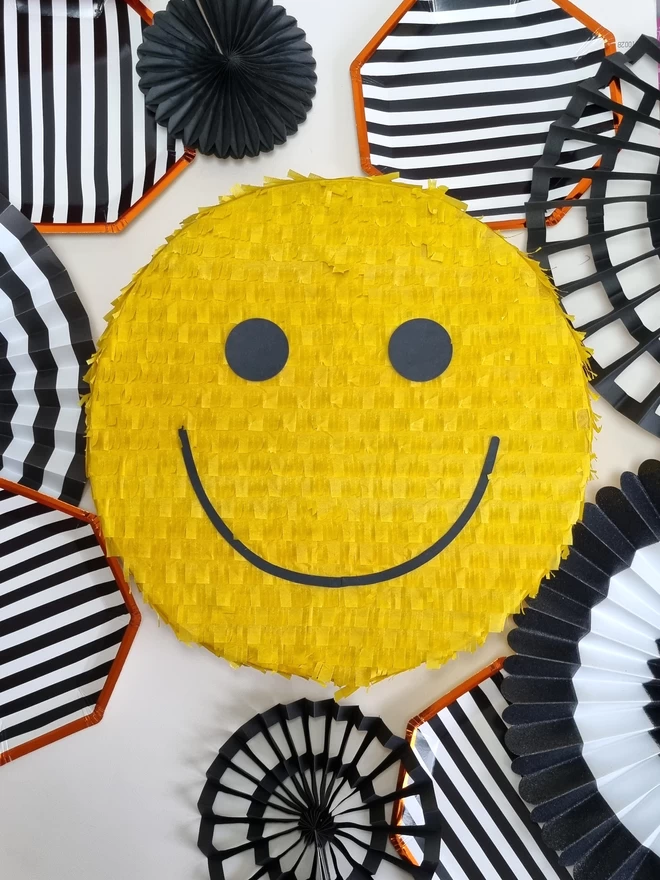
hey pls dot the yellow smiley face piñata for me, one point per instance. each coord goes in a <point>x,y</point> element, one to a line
<point>338,429</point>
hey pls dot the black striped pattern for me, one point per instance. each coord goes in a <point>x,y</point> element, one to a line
<point>464,91</point>
<point>45,343</point>
<point>62,619</point>
<point>487,832</point>
<point>77,144</point>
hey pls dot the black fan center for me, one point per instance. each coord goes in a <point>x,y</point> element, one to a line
<point>317,825</point>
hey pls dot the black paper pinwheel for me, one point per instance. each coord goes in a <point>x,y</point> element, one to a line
<point>231,77</point>
<point>301,793</point>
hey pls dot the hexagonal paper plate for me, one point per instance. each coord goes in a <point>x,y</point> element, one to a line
<point>67,621</point>
<point>487,831</point>
<point>464,93</point>
<point>79,151</point>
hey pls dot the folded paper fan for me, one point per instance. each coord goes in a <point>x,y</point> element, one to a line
<point>79,151</point>
<point>487,832</point>
<point>464,93</point>
<point>231,77</point>
<point>585,719</point>
<point>606,262</point>
<point>45,343</point>
<point>67,621</point>
<point>301,792</point>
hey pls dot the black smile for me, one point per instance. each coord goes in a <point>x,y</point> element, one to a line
<point>315,580</point>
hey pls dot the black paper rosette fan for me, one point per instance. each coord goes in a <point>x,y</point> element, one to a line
<point>585,690</point>
<point>605,254</point>
<point>230,77</point>
<point>303,791</point>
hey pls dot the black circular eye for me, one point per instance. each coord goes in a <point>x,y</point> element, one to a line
<point>257,349</point>
<point>420,350</point>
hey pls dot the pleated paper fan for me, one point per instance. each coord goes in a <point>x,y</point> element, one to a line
<point>301,792</point>
<point>231,77</point>
<point>585,694</point>
<point>45,343</point>
<point>607,267</point>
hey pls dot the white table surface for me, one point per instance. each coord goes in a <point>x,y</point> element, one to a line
<point>118,801</point>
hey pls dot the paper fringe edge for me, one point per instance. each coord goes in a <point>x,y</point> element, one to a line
<point>240,191</point>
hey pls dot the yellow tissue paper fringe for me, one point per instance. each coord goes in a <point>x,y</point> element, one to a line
<point>338,465</point>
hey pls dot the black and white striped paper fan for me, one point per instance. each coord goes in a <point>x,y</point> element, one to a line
<point>67,621</point>
<point>585,694</point>
<point>487,831</point>
<point>45,344</point>
<point>605,255</point>
<point>78,148</point>
<point>302,791</point>
<point>464,93</point>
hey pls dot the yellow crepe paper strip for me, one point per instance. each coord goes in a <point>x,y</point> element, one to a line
<point>338,465</point>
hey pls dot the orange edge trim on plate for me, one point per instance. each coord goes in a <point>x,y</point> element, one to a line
<point>411,731</point>
<point>132,212</point>
<point>126,642</point>
<point>142,10</point>
<point>188,155</point>
<point>360,110</point>
<point>356,79</point>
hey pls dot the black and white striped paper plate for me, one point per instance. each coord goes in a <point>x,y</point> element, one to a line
<point>464,92</point>
<point>67,621</point>
<point>605,262</point>
<point>45,344</point>
<point>78,148</point>
<point>487,831</point>
<point>585,694</point>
